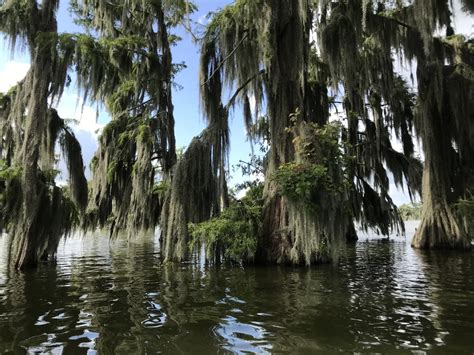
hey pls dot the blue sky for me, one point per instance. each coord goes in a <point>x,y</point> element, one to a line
<point>189,120</point>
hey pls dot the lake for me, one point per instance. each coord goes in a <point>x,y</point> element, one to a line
<point>117,298</point>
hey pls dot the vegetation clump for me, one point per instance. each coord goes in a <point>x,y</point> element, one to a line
<point>232,236</point>
<point>319,157</point>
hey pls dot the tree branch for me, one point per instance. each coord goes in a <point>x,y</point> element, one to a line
<point>237,92</point>
<point>219,66</point>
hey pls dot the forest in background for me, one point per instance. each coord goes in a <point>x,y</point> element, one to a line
<point>289,64</point>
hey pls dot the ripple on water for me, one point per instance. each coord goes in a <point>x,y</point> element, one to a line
<point>156,318</point>
<point>86,340</point>
<point>242,337</point>
<point>42,344</point>
<point>110,297</point>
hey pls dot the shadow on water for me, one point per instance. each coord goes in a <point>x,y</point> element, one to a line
<point>116,298</point>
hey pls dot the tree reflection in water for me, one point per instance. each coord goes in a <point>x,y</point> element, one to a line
<point>119,298</point>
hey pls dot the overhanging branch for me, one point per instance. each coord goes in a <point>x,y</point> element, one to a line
<point>237,92</point>
<point>221,63</point>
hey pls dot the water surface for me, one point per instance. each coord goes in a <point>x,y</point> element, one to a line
<point>114,298</point>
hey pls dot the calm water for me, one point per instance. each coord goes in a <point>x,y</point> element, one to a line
<point>113,298</point>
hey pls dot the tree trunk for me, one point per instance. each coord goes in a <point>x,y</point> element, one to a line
<point>351,234</point>
<point>439,228</point>
<point>276,243</point>
<point>285,83</point>
<point>28,246</point>
<point>27,235</point>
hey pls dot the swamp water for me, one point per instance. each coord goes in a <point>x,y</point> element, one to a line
<point>114,298</point>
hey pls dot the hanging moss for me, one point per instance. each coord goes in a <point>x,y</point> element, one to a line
<point>56,213</point>
<point>36,212</point>
<point>464,212</point>
<point>318,191</point>
<point>434,67</point>
<point>57,217</point>
<point>240,41</point>
<point>358,43</point>
<point>256,50</point>
<point>141,213</point>
<point>448,170</point>
<point>229,57</point>
<point>133,73</point>
<point>192,198</point>
<point>123,188</point>
<point>210,150</point>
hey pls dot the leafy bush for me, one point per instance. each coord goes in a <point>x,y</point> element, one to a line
<point>299,181</point>
<point>320,166</point>
<point>233,234</point>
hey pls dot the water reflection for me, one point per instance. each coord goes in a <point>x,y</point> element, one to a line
<point>117,298</point>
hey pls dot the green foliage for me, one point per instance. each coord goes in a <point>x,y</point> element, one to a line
<point>234,233</point>
<point>410,211</point>
<point>9,180</point>
<point>49,175</point>
<point>300,181</point>
<point>8,172</point>
<point>320,155</point>
<point>161,188</point>
<point>320,142</point>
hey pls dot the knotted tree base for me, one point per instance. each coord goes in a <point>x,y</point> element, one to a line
<point>439,230</point>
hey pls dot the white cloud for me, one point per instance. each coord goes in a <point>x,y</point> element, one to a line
<point>463,22</point>
<point>11,74</point>
<point>88,121</point>
<point>203,19</point>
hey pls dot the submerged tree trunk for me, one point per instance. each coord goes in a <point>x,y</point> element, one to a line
<point>285,84</point>
<point>28,246</point>
<point>26,237</point>
<point>351,234</point>
<point>438,228</point>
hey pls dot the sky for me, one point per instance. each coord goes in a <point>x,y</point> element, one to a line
<point>189,121</point>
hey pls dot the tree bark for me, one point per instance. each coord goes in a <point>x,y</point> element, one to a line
<point>29,252</point>
<point>439,229</point>
<point>28,246</point>
<point>351,234</point>
<point>288,35</point>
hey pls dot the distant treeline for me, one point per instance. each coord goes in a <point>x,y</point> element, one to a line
<point>410,211</point>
